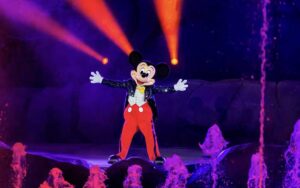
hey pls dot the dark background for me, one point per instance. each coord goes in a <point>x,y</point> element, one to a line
<point>45,83</point>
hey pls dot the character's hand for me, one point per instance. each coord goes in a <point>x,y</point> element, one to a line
<point>96,77</point>
<point>181,85</point>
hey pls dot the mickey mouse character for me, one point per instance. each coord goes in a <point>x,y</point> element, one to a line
<point>140,109</point>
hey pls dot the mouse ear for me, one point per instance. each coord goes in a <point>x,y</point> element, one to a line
<point>162,71</point>
<point>135,58</point>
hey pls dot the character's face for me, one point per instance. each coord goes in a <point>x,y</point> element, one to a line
<point>143,75</point>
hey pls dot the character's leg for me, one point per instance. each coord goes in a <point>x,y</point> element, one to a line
<point>148,131</point>
<point>128,131</point>
<point>127,134</point>
<point>156,143</point>
<point>145,124</point>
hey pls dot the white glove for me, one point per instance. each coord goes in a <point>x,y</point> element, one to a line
<point>181,85</point>
<point>96,77</point>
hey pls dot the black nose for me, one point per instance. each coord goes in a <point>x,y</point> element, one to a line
<point>144,75</point>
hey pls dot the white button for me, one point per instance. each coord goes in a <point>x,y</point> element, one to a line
<point>141,109</point>
<point>129,109</point>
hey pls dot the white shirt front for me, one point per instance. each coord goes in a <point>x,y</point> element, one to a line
<point>138,98</point>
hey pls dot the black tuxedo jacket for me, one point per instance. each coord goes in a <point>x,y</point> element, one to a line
<point>150,91</point>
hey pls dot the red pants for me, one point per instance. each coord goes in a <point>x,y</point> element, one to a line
<point>138,118</point>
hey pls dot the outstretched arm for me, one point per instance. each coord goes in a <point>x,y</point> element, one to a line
<point>97,78</point>
<point>181,85</point>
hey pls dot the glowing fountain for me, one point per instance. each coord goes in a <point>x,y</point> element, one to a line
<point>214,142</point>
<point>263,55</point>
<point>177,173</point>
<point>255,172</point>
<point>133,179</point>
<point>55,180</point>
<point>18,164</point>
<point>96,178</point>
<point>212,146</point>
<point>292,158</point>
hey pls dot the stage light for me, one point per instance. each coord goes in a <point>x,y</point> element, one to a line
<point>105,60</point>
<point>169,13</point>
<point>29,14</point>
<point>174,61</point>
<point>99,14</point>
